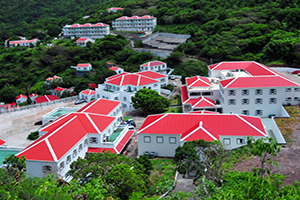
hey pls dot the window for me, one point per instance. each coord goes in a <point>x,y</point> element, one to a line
<point>272,91</point>
<point>47,169</point>
<point>231,101</point>
<point>231,93</point>
<point>74,153</point>
<point>297,99</point>
<point>245,101</point>
<point>159,139</point>
<point>258,112</point>
<point>258,101</point>
<point>62,165</point>
<point>245,92</point>
<point>288,99</point>
<point>98,96</point>
<point>226,141</point>
<point>172,140</point>
<point>147,139</point>
<point>240,141</point>
<point>288,89</point>
<point>68,159</point>
<point>207,93</point>
<point>245,112</point>
<point>272,100</point>
<point>258,92</point>
<point>124,99</point>
<point>93,140</point>
<point>85,142</point>
<point>80,147</point>
<point>297,89</point>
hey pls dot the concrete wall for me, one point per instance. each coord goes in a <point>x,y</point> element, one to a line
<point>284,69</point>
<point>155,52</point>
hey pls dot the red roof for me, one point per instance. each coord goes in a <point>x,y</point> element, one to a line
<point>115,8</point>
<point>204,112</point>
<point>88,92</point>
<point>151,74</point>
<point>93,85</point>
<point>124,141</point>
<point>60,89</point>
<point>136,17</point>
<point>117,75</point>
<point>80,40</point>
<point>100,150</point>
<point>33,95</point>
<point>153,63</point>
<point>1,142</point>
<point>87,25</point>
<point>22,41</point>
<point>258,81</point>
<point>131,79</point>
<point>21,96</point>
<point>100,106</point>
<point>201,102</point>
<point>114,68</point>
<point>45,98</point>
<point>204,126</point>
<point>198,81</point>
<point>83,65</point>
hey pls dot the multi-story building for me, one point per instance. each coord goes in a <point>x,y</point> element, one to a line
<point>122,87</point>
<point>135,23</point>
<point>93,128</point>
<point>98,30</point>
<point>21,43</point>
<point>248,88</point>
<point>156,66</point>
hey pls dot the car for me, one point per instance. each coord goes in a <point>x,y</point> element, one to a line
<point>174,84</point>
<point>296,72</point>
<point>79,101</point>
<point>130,122</point>
<point>38,123</point>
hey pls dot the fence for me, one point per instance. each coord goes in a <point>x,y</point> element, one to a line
<point>39,105</point>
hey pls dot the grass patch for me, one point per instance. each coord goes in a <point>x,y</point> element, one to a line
<point>174,110</point>
<point>126,118</point>
<point>237,155</point>
<point>287,125</point>
<point>162,175</point>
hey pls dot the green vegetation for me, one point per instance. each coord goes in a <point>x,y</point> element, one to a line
<point>33,135</point>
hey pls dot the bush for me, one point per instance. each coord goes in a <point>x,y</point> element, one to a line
<point>168,87</point>
<point>33,135</point>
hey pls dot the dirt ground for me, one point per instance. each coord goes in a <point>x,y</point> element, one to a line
<point>288,160</point>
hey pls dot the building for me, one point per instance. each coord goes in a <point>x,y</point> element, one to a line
<point>118,70</point>
<point>87,95</point>
<point>46,98</point>
<point>248,88</point>
<point>99,30</point>
<point>21,98</point>
<point>114,9</point>
<point>135,23</point>
<point>54,78</point>
<point>83,68</point>
<point>122,87</point>
<point>110,64</point>
<point>33,96</point>
<point>94,128</point>
<point>82,41</point>
<point>156,66</point>
<point>21,43</point>
<point>163,79</point>
<point>57,91</point>
<point>163,133</point>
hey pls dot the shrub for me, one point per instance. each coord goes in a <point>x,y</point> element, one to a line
<point>33,135</point>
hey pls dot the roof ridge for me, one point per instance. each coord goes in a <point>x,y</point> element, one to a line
<point>163,116</point>
<point>233,80</point>
<point>193,131</point>
<point>251,125</point>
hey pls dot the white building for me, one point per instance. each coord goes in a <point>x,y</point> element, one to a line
<point>118,70</point>
<point>87,95</point>
<point>90,129</point>
<point>57,79</point>
<point>156,66</point>
<point>135,23</point>
<point>83,68</point>
<point>21,43</point>
<point>163,133</point>
<point>21,98</point>
<point>99,30</point>
<point>33,96</point>
<point>248,88</point>
<point>114,9</point>
<point>82,41</point>
<point>122,87</point>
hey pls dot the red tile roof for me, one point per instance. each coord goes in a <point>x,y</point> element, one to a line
<point>258,81</point>
<point>21,96</point>
<point>87,25</point>
<point>100,150</point>
<point>96,106</point>
<point>114,68</point>
<point>46,98</point>
<point>83,65</point>
<point>124,141</point>
<point>131,79</point>
<point>204,126</point>
<point>117,8</point>
<point>88,92</point>
<point>151,74</point>
<point>93,85</point>
<point>198,81</point>
<point>60,89</point>
<point>201,102</point>
<point>153,63</point>
<point>136,17</point>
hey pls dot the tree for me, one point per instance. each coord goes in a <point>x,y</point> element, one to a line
<point>150,101</point>
<point>146,163</point>
<point>8,93</point>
